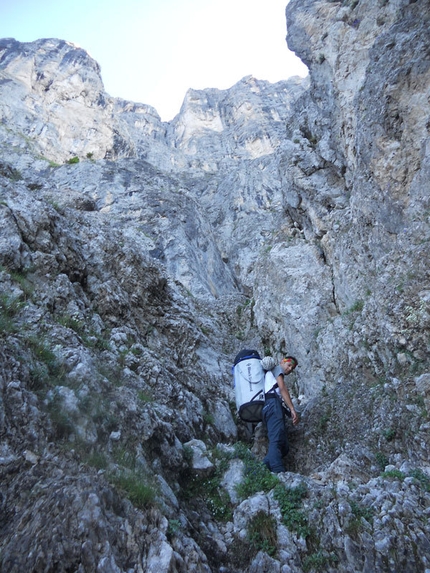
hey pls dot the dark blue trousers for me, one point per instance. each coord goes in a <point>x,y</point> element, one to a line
<point>274,420</point>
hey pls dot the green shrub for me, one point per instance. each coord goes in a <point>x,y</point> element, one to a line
<point>124,458</point>
<point>89,338</point>
<point>381,459</point>
<point>257,477</point>
<point>173,527</point>
<point>395,474</point>
<point>97,460</point>
<point>47,370</point>
<point>356,307</point>
<point>262,533</point>
<point>70,322</point>
<point>145,397</point>
<point>135,488</point>
<point>9,308</point>
<point>389,434</point>
<point>290,500</point>
<point>319,561</point>
<point>358,512</point>
<point>24,283</point>
<point>73,160</point>
<point>63,425</point>
<point>217,499</point>
<point>210,491</point>
<point>422,478</point>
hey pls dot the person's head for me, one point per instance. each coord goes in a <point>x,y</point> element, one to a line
<point>288,364</point>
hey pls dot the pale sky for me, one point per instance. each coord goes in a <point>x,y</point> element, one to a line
<point>153,51</point>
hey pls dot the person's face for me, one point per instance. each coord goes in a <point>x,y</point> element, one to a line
<point>288,366</point>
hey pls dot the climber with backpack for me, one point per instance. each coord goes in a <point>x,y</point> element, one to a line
<point>273,413</point>
<point>261,395</point>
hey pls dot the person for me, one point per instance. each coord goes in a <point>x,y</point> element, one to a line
<point>274,413</point>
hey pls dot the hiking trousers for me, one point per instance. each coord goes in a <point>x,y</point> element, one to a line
<point>274,420</point>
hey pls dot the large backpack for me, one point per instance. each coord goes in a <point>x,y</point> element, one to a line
<point>248,377</point>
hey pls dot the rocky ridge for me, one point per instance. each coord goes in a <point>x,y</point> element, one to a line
<point>137,257</point>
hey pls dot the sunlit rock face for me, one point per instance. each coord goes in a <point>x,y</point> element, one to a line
<point>137,257</point>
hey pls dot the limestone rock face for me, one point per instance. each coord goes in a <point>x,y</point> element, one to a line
<point>53,92</point>
<point>138,257</point>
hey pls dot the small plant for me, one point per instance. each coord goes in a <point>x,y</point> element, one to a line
<point>381,460</point>
<point>395,474</point>
<point>97,460</point>
<point>217,499</point>
<point>290,500</point>
<point>323,422</point>
<point>208,418</point>
<point>206,489</point>
<point>262,533</point>
<point>257,477</point>
<point>9,308</point>
<point>319,561</point>
<point>173,527</point>
<point>10,172</point>
<point>124,458</point>
<point>63,425</point>
<point>423,479</point>
<point>24,283</point>
<point>73,160</point>
<point>47,370</point>
<point>389,434</point>
<point>145,397</point>
<point>90,339</point>
<point>51,163</point>
<point>358,512</point>
<point>90,155</point>
<point>135,488</point>
<point>70,322</point>
<point>356,307</point>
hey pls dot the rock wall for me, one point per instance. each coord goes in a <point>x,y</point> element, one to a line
<point>138,257</point>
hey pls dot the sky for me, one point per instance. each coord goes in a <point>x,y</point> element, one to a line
<point>153,51</point>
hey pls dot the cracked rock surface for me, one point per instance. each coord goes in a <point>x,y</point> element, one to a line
<point>138,257</point>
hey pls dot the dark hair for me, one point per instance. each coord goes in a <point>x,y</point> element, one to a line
<point>292,358</point>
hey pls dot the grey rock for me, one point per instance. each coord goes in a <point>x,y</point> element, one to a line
<point>289,217</point>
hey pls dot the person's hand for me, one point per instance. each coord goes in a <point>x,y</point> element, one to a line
<point>295,417</point>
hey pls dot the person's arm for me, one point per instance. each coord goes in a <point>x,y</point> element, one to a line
<point>287,398</point>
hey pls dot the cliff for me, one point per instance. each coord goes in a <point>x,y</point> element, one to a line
<point>138,257</point>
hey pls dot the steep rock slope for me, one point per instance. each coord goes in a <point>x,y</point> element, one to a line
<point>292,217</point>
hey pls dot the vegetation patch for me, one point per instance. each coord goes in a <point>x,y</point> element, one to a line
<point>389,434</point>
<point>210,491</point>
<point>173,528</point>
<point>422,478</point>
<point>381,460</point>
<point>62,423</point>
<point>24,283</point>
<point>359,512</point>
<point>135,487</point>
<point>47,371</point>
<point>89,338</point>
<point>257,477</point>
<point>9,308</point>
<point>262,533</point>
<point>394,474</point>
<point>290,500</point>
<point>319,561</point>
